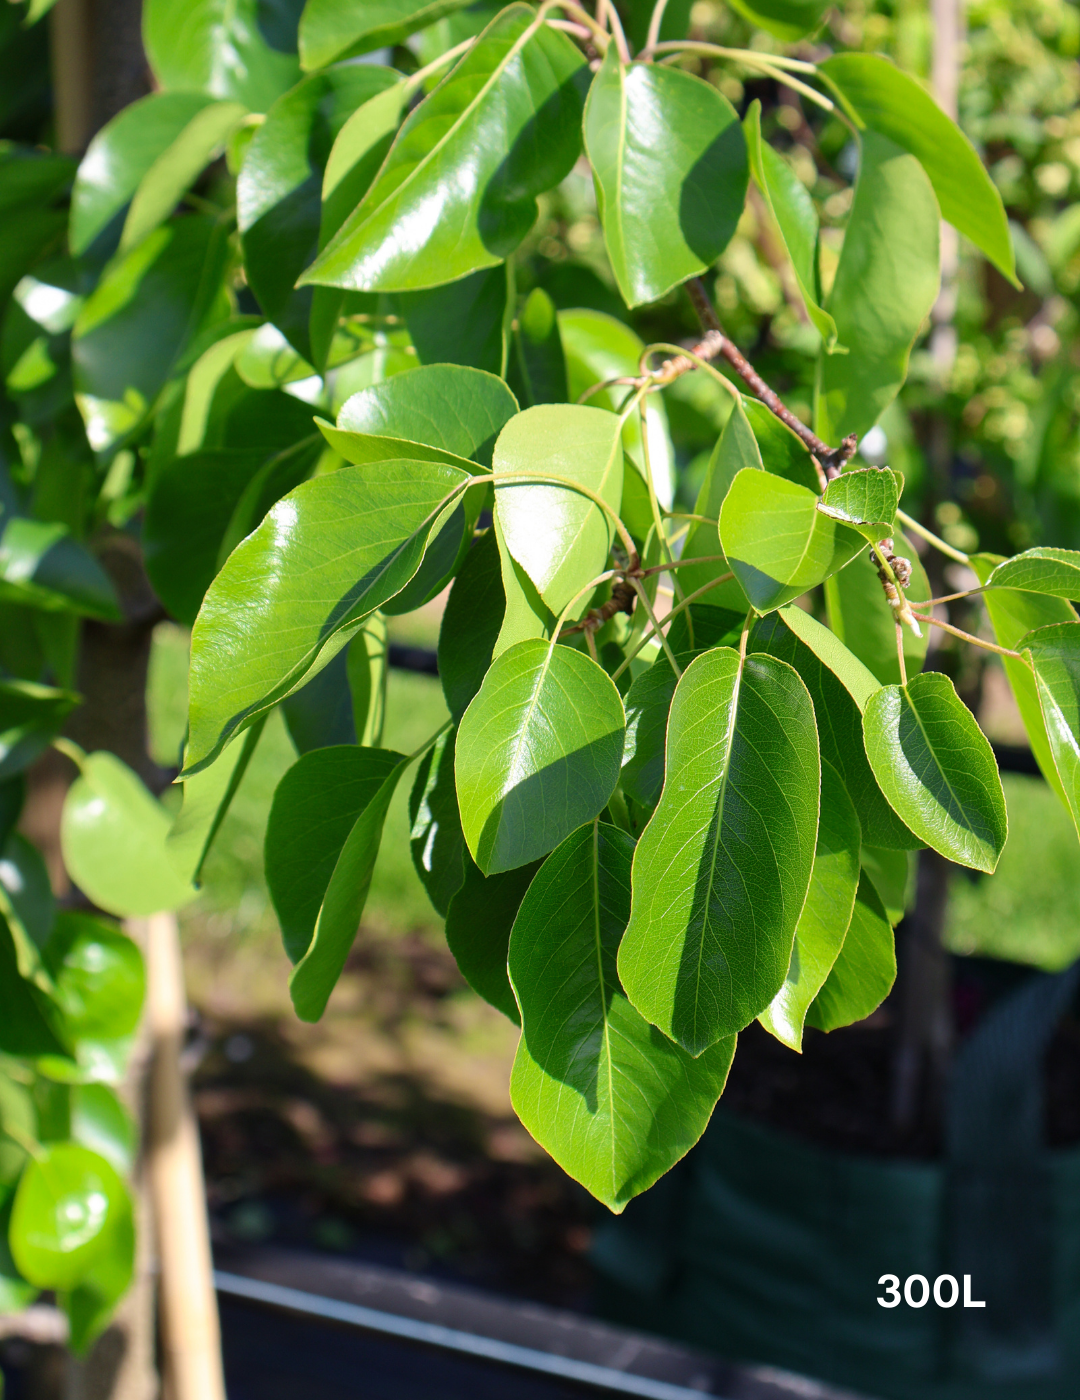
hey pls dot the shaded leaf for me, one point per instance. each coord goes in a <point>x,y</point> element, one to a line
<point>31,715</point>
<point>331,30</point>
<point>436,839</point>
<point>860,615</point>
<point>367,660</point>
<point>936,767</point>
<point>26,1015</point>
<point>26,897</point>
<point>242,49</point>
<point>207,798</point>
<point>735,450</point>
<point>1055,572</point>
<point>463,323</point>
<point>478,924</point>
<point>538,753</point>
<point>890,873</point>
<point>863,974</point>
<point>787,19</point>
<point>782,453</point>
<point>538,365</point>
<point>612,1099</point>
<point>99,975</point>
<point>1054,653</point>
<point>41,566</point>
<point>722,869</point>
<point>866,499</point>
<point>470,625</point>
<point>320,714</point>
<point>648,702</point>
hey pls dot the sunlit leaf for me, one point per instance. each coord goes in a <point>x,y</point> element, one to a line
<point>1054,653</point>
<point>331,30</point>
<point>865,499</point>
<point>1055,572</point>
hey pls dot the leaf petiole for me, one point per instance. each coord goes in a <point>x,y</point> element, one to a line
<point>969,637</point>
<point>910,523</point>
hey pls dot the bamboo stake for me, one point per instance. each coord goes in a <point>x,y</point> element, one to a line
<point>191,1351</point>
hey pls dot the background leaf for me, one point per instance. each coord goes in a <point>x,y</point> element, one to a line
<point>1054,653</point>
<point>31,715</point>
<point>1055,572</point>
<point>331,30</point>
<point>438,845</point>
<point>463,323</point>
<point>471,623</point>
<point>478,924</point>
<point>863,974</point>
<point>787,19</point>
<point>538,366</point>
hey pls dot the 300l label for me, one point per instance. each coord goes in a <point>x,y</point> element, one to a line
<point>917,1291</point>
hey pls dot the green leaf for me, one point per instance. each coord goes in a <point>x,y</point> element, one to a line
<point>1054,653</point>
<point>315,976</point>
<point>792,208</point>
<point>228,48</point>
<point>331,30</point>
<point>782,452</point>
<point>863,974</point>
<point>456,410</point>
<point>438,845</point>
<point>66,1206</point>
<point>123,152</point>
<point>471,624</point>
<point>100,985</point>
<point>722,869</point>
<point>90,1304</point>
<point>41,566</point>
<point>471,147</point>
<point>316,806</point>
<point>539,365</point>
<point>15,1292</point>
<point>648,702</point>
<point>148,306</point>
<point>777,541</point>
<point>107,809</point>
<point>1014,614</point>
<point>669,161</point>
<point>463,323</point>
<point>819,934</point>
<point>1055,572</point>
<point>367,660</point>
<point>538,753</point>
<point>320,714</point>
<point>866,499</point>
<point>886,281</point>
<point>839,685</point>
<point>860,615</point>
<point>26,1015</point>
<point>31,716</point>
<point>478,924</point>
<point>890,872</point>
<point>296,590</point>
<point>279,188</point>
<point>207,798</point>
<point>899,107</point>
<point>26,897</point>
<point>936,767</point>
<point>736,450</point>
<point>787,19</point>
<point>31,184</point>
<point>100,1122</point>
<point>559,536</point>
<point>612,1099</point>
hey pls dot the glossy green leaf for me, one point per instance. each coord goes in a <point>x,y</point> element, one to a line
<point>787,19</point>
<point>891,874</point>
<point>207,798</point>
<point>228,48</point>
<point>123,152</point>
<point>792,208</point>
<point>538,753</point>
<point>525,614</point>
<point>839,685</point>
<point>469,146</point>
<point>866,499</point>
<point>316,974</point>
<point>100,1122</point>
<point>297,589</point>
<point>936,767</point>
<point>899,107</point>
<point>648,702</point>
<point>99,975</point>
<point>860,615</point>
<point>438,845</point>
<point>819,934</point>
<point>1055,572</point>
<point>315,807</point>
<point>65,1207</point>
<point>31,715</point>
<point>886,282</point>
<point>26,897</point>
<point>320,714</point>
<point>863,974</point>
<point>463,323</point>
<point>721,871</point>
<point>471,624</point>
<point>538,365</point>
<point>782,452</point>
<point>107,809</point>
<point>331,30</point>
<point>89,1306</point>
<point>367,662</point>
<point>478,924</point>
<point>777,541</point>
<point>279,188</point>
<point>702,626</point>
<point>560,536</point>
<point>1054,653</point>
<point>736,450</point>
<point>669,161</point>
<point>612,1099</point>
<point>41,566</point>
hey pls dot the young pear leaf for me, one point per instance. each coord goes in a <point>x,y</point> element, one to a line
<point>612,1099</point>
<point>863,974</point>
<point>559,535</point>
<point>899,107</point>
<point>776,540</point>
<point>469,148</point>
<point>866,499</point>
<point>438,846</point>
<point>936,767</point>
<point>538,753</point>
<point>478,925</point>
<point>107,809</point>
<point>331,30</point>
<point>298,588</point>
<point>1055,572</point>
<point>316,806</point>
<point>462,323</point>
<point>90,1304</point>
<point>792,208</point>
<point>722,870</point>
<point>31,715</point>
<point>662,139</point>
<point>228,48</point>
<point>839,685</point>
<point>860,615</point>
<point>819,934</point>
<point>1054,653</point>
<point>471,624</point>
<point>886,282</point>
<point>538,365</point>
<point>316,974</point>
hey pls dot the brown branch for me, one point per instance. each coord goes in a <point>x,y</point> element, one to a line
<point>622,600</point>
